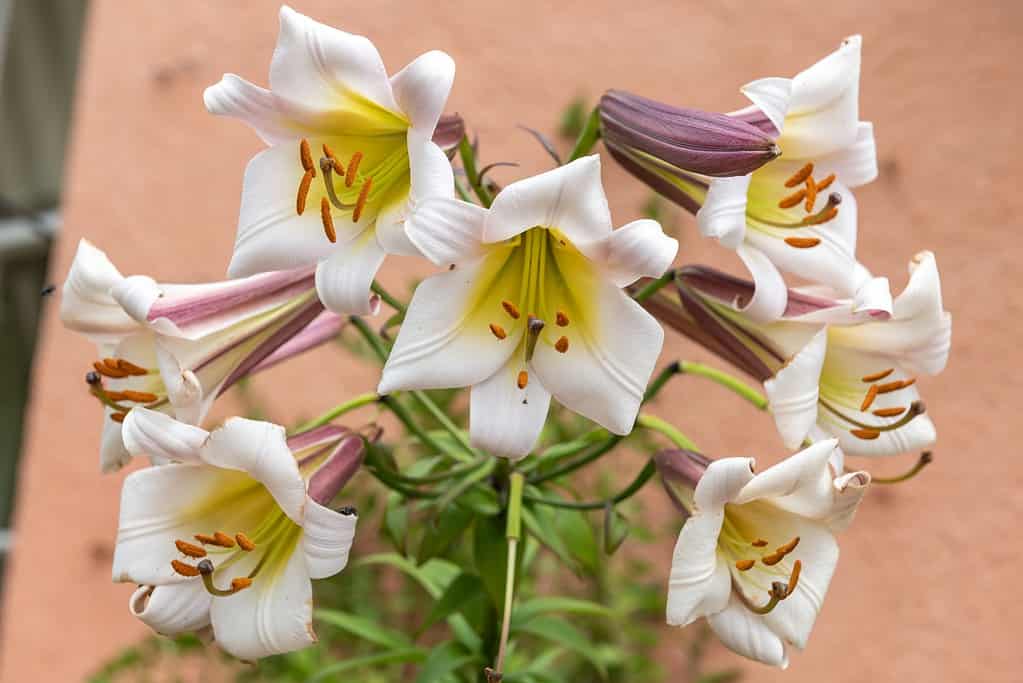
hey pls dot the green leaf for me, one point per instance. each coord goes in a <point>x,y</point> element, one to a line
<point>364,628</point>
<point>575,530</point>
<point>443,660</point>
<point>439,534</point>
<point>531,609</point>
<point>728,676</point>
<point>538,522</point>
<point>461,593</point>
<point>481,500</point>
<point>616,528</point>
<point>563,633</point>
<point>396,520</point>
<point>490,554</point>
<point>408,655</point>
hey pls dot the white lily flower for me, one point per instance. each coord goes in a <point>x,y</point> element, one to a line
<point>175,348</point>
<point>329,92</point>
<point>757,553</point>
<point>231,537</point>
<point>831,369</point>
<point>532,306</point>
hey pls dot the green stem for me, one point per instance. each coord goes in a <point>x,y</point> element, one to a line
<point>388,299</point>
<point>395,484</point>
<point>392,404</point>
<point>450,427</point>
<point>669,430</point>
<point>724,379</point>
<point>371,338</point>
<point>641,479</point>
<point>595,454</point>
<point>925,459</point>
<point>660,380</point>
<point>514,532</point>
<point>456,471</point>
<point>471,174</point>
<point>337,411</point>
<point>654,286</point>
<point>588,136</point>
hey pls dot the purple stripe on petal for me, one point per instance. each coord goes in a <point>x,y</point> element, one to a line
<point>337,470</point>
<point>317,436</point>
<point>755,116</point>
<point>738,291</point>
<point>324,328</point>
<point>449,132</point>
<point>286,332</point>
<point>201,302</point>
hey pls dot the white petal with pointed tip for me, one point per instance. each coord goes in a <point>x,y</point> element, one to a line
<point>723,214</point>
<point>344,279</point>
<point>327,538</point>
<point>856,163</point>
<point>801,483</point>
<point>570,198</point>
<point>745,633</point>
<point>770,294</point>
<point>794,390</point>
<point>698,585</point>
<point>421,89</point>
<point>448,231</point>
<point>771,96</point>
<point>503,419</point>
<point>170,610</point>
<point>156,434</point>
<point>86,303</point>
<point>721,483</point>
<point>638,249</point>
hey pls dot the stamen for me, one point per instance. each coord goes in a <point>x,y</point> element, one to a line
<point>511,309</point>
<point>772,559</point>
<point>533,328</point>
<point>811,194</point>
<point>244,542</point>
<point>219,538</point>
<point>802,242</point>
<point>822,217</point>
<point>889,387</point>
<point>498,331</point>
<point>360,203</point>
<point>908,382</point>
<point>889,412</point>
<point>869,398</point>
<point>107,371</point>
<point>240,583</point>
<point>759,543</point>
<point>792,200</point>
<point>328,220</point>
<point>800,176</point>
<point>925,459</point>
<point>561,345</point>
<point>186,548</point>
<point>131,368</point>
<point>118,417</point>
<point>306,156</point>
<point>797,568</point>
<point>826,183</point>
<point>183,568</point>
<point>206,569</point>
<point>303,192</point>
<point>135,396</point>
<point>788,547</point>
<point>353,167</point>
<point>561,319</point>
<point>328,152</point>
<point>877,375</point>
<point>523,379</point>
<point>865,434</point>
<point>92,378</point>
<point>111,363</point>
<point>328,167</point>
<point>745,565</point>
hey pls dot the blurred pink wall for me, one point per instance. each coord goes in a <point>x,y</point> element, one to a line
<point>926,590</point>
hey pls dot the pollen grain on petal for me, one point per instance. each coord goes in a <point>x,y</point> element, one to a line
<point>498,331</point>
<point>800,176</point>
<point>303,192</point>
<point>328,221</point>
<point>802,242</point>
<point>865,434</point>
<point>184,569</point>
<point>523,379</point>
<point>877,375</point>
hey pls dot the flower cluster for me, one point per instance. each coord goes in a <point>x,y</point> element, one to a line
<point>537,296</point>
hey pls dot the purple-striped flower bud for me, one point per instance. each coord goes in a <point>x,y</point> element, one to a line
<point>680,471</point>
<point>337,469</point>
<point>681,142</point>
<point>449,132</point>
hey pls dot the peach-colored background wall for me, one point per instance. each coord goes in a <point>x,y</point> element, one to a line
<point>927,589</point>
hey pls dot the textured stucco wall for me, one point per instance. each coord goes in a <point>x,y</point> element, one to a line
<point>927,587</point>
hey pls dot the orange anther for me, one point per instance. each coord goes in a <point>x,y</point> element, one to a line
<point>802,242</point>
<point>186,548</point>
<point>811,194</point>
<point>498,331</point>
<point>799,176</point>
<point>353,167</point>
<point>240,583</point>
<point>745,565</point>
<point>523,379</point>
<point>797,568</point>
<point>137,396</point>
<point>328,152</point>
<point>877,375</point>
<point>869,398</point>
<point>303,192</point>
<point>561,345</point>
<point>328,220</point>
<point>183,568</point>
<point>130,368</point>
<point>822,217</point>
<point>107,371</point>
<point>560,319</point>
<point>788,547</point>
<point>223,540</point>
<point>511,309</point>
<point>118,417</point>
<point>759,543</point>
<point>889,412</point>
<point>792,200</point>
<point>889,387</point>
<point>306,156</point>
<point>772,559</point>
<point>360,203</point>
<point>826,183</point>
<point>865,434</point>
<point>244,542</point>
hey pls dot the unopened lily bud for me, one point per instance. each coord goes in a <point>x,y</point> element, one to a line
<point>681,141</point>
<point>449,132</point>
<point>680,471</point>
<point>337,470</point>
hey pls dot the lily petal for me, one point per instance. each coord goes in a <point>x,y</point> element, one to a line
<point>570,198</point>
<point>723,214</point>
<point>770,295</point>
<point>86,304</point>
<point>274,119</point>
<point>323,67</point>
<point>638,249</point>
<point>260,449</point>
<point>504,419</point>
<point>856,163</point>
<point>747,634</point>
<point>721,483</point>
<point>849,491</point>
<point>445,340</point>
<point>699,585</point>
<point>448,231</point>
<point>344,279</point>
<point>801,483</point>
<point>326,540</point>
<point>272,616</point>
<point>421,89</point>
<point>609,360</point>
<point>170,610</point>
<point>156,434</point>
<point>794,390</point>
<point>772,96</point>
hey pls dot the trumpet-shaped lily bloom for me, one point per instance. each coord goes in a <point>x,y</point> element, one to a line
<point>829,368</point>
<point>532,306</point>
<point>795,213</point>
<point>231,534</point>
<point>175,348</point>
<point>757,552</point>
<point>371,136</point>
